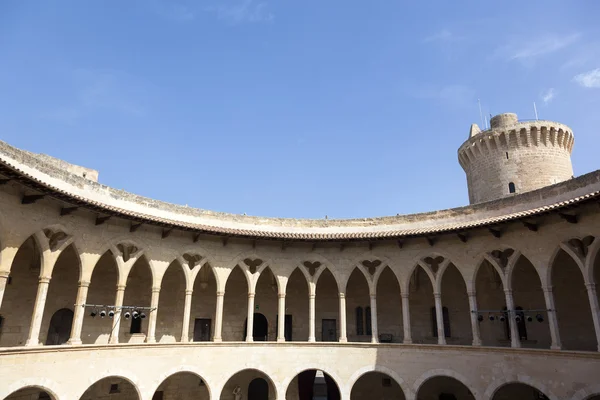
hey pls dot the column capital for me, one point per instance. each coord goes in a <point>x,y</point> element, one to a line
<point>84,283</point>
<point>405,295</point>
<point>121,288</point>
<point>251,295</point>
<point>472,293</point>
<point>44,279</point>
<point>312,296</point>
<point>590,286</point>
<point>281,295</point>
<point>221,294</point>
<point>189,292</point>
<point>373,296</point>
<point>437,295</point>
<point>155,289</point>
<point>547,289</point>
<point>342,295</point>
<point>508,292</point>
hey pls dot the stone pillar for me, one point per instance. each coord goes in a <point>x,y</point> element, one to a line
<point>187,309</point>
<point>552,320</point>
<point>374,330</point>
<point>281,318</point>
<point>439,315</point>
<point>515,340</point>
<point>114,333</point>
<point>79,313</point>
<point>250,320</point>
<point>151,337</point>
<point>593,297</point>
<point>3,279</point>
<point>474,319</point>
<point>219,317</point>
<point>406,318</point>
<point>343,334</point>
<point>38,312</point>
<point>311,317</point>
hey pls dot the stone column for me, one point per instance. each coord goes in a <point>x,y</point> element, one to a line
<point>374,330</point>
<point>311,317</point>
<point>474,319</point>
<point>439,315</point>
<point>406,318</point>
<point>151,337</point>
<point>3,279</point>
<point>38,312</point>
<point>79,313</point>
<point>593,297</point>
<point>515,340</point>
<point>219,317</point>
<point>343,334</point>
<point>114,333</point>
<point>552,320</point>
<point>281,318</point>
<point>187,309</point>
<point>250,320</point>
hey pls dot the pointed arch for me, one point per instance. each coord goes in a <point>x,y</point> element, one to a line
<point>203,305</point>
<point>420,289</point>
<point>296,303</point>
<point>235,306</point>
<point>358,291</point>
<point>455,299</point>
<point>169,314</point>
<point>389,305</point>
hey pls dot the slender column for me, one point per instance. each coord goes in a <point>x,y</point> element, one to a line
<point>593,297</point>
<point>439,315</point>
<point>187,309</point>
<point>406,318</point>
<point>3,280</point>
<point>151,337</point>
<point>114,333</point>
<point>374,330</point>
<point>281,318</point>
<point>219,317</point>
<point>8,255</point>
<point>38,312</point>
<point>79,313</point>
<point>311,317</point>
<point>552,320</point>
<point>250,320</point>
<point>343,334</point>
<point>474,320</point>
<point>515,340</point>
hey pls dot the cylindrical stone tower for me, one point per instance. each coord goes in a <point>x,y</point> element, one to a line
<point>515,156</point>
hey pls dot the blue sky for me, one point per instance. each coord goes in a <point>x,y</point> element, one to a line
<point>291,108</point>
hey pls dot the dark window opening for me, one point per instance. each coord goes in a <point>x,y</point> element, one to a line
<point>507,155</point>
<point>44,396</point>
<point>386,382</point>
<point>368,320</point>
<point>511,187</point>
<point>445,318</point>
<point>114,388</point>
<point>359,321</point>
<point>136,325</point>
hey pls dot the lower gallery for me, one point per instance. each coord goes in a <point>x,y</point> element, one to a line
<point>109,295</point>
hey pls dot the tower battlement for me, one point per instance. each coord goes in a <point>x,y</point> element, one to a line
<point>515,156</point>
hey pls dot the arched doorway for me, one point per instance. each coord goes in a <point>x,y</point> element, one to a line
<point>444,388</point>
<point>376,385</point>
<point>313,384</point>
<point>30,393</point>
<point>60,327</point>
<point>260,330</point>
<point>258,389</point>
<point>519,391</point>
<point>246,381</point>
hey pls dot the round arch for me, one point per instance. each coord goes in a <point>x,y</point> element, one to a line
<point>187,370</point>
<point>42,384</point>
<point>117,375</point>
<point>334,377</point>
<point>408,393</point>
<point>491,390</point>
<point>443,373</point>
<point>245,377</point>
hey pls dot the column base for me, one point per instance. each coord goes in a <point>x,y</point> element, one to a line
<point>75,342</point>
<point>407,341</point>
<point>32,343</point>
<point>343,340</point>
<point>217,340</point>
<point>476,343</point>
<point>151,340</point>
<point>555,347</point>
<point>280,340</point>
<point>249,339</point>
<point>312,339</point>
